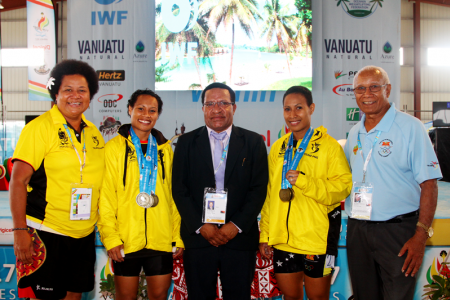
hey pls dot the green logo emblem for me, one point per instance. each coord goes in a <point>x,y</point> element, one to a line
<point>360,8</point>
<point>140,47</point>
<point>387,48</point>
<point>352,114</point>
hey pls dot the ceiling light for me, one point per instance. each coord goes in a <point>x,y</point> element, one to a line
<point>1,6</point>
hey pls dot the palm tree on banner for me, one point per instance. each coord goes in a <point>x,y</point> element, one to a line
<point>281,24</point>
<point>343,2</point>
<point>198,34</point>
<point>229,12</point>
<point>376,2</point>
<point>304,31</point>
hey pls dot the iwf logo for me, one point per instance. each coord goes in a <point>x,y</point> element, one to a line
<point>179,15</point>
<point>176,14</point>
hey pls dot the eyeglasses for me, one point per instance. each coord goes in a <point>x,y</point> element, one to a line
<point>372,88</point>
<point>220,104</point>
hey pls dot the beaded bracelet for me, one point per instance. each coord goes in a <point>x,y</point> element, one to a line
<point>14,229</point>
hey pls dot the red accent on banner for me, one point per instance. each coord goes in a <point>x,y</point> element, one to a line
<point>41,4</point>
<point>37,83</point>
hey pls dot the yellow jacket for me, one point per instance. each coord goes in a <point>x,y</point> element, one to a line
<point>122,220</point>
<point>310,223</point>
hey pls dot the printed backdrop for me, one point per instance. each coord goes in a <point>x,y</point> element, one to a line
<point>116,38</point>
<point>348,35</point>
<point>41,35</point>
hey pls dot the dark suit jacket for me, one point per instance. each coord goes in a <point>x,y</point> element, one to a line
<point>246,177</point>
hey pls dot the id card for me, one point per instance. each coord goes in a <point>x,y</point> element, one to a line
<point>361,197</point>
<point>214,206</point>
<point>80,201</point>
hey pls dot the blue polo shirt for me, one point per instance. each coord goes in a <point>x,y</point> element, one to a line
<point>402,158</point>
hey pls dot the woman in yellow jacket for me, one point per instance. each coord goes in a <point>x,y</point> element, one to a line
<point>138,219</point>
<point>301,217</point>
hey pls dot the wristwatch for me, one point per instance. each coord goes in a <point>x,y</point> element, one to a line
<point>428,230</point>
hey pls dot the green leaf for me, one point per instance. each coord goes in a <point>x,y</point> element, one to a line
<point>428,293</point>
<point>439,280</point>
<point>435,297</point>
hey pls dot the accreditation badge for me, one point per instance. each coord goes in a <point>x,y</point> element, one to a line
<point>214,206</point>
<point>361,197</point>
<point>80,201</point>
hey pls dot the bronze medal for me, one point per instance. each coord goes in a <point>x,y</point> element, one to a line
<point>155,200</point>
<point>286,194</point>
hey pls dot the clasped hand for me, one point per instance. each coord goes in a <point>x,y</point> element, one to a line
<point>216,236</point>
<point>292,176</point>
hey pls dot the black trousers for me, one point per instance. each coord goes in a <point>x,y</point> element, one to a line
<point>373,262</point>
<point>237,269</point>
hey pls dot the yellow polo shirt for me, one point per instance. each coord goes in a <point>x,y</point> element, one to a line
<point>45,146</point>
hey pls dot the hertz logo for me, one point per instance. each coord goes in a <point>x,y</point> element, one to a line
<point>107,75</point>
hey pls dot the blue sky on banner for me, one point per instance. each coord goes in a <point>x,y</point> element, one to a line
<point>240,38</point>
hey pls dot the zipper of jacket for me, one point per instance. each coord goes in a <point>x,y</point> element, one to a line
<point>287,221</point>
<point>145,220</point>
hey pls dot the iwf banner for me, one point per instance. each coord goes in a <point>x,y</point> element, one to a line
<point>117,38</point>
<point>41,35</point>
<point>348,35</point>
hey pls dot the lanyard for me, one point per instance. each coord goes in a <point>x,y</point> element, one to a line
<point>368,155</point>
<point>291,164</point>
<point>224,154</point>
<point>148,165</point>
<point>82,164</point>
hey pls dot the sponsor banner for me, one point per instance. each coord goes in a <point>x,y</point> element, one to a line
<point>8,276</point>
<point>340,282</point>
<point>349,35</point>
<point>116,38</point>
<point>41,35</point>
<point>6,234</point>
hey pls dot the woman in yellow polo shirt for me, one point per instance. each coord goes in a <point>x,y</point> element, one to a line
<point>139,222</point>
<point>54,190</point>
<point>301,217</point>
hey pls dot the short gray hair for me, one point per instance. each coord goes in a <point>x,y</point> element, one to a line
<point>372,68</point>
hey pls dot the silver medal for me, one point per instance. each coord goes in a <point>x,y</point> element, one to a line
<point>146,201</point>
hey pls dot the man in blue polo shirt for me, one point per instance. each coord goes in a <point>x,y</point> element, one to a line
<point>394,196</point>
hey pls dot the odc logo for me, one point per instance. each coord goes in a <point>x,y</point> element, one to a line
<point>180,21</point>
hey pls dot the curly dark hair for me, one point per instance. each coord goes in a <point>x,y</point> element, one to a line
<point>137,93</point>
<point>301,90</point>
<point>73,67</point>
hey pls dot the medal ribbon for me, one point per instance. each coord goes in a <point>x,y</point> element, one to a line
<point>148,166</point>
<point>82,163</point>
<point>366,163</point>
<point>291,164</point>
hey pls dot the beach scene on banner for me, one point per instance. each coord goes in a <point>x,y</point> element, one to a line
<point>246,44</point>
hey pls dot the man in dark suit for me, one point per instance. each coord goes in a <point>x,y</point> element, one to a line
<point>231,248</point>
